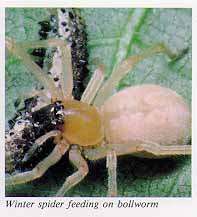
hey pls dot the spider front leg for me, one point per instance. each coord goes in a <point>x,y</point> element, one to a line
<point>66,77</point>
<point>78,161</point>
<point>37,93</point>
<point>42,99</point>
<point>65,52</point>
<point>19,50</point>
<point>40,169</point>
<point>126,66</point>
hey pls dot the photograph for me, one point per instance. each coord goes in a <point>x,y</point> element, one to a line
<point>98,102</point>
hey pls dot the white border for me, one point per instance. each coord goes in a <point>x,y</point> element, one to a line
<point>180,207</point>
<point>2,99</point>
<point>101,3</point>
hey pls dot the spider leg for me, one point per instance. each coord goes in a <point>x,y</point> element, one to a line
<point>40,142</point>
<point>164,150</point>
<point>102,151</point>
<point>42,100</point>
<point>112,166</point>
<point>38,93</point>
<point>79,162</point>
<point>40,169</point>
<point>125,67</point>
<point>93,86</point>
<point>150,148</point>
<point>19,50</point>
<point>65,51</point>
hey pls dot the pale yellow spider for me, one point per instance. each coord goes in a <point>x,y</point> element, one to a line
<point>146,121</point>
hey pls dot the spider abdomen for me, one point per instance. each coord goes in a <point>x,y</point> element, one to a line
<point>82,124</point>
<point>147,113</point>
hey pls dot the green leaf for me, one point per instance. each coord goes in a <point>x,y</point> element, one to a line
<point>114,34</point>
<point>21,25</point>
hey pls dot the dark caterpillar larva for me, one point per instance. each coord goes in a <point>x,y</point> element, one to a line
<point>35,119</point>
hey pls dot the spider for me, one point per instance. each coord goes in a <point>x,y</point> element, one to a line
<point>148,120</point>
